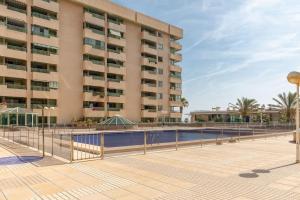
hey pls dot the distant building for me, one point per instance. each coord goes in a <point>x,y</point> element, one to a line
<point>233,116</point>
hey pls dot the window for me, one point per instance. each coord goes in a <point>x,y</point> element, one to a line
<point>160,96</point>
<point>159,34</point>
<point>94,43</point>
<point>160,46</point>
<point>160,71</point>
<point>160,83</point>
<point>160,59</point>
<point>159,107</point>
<point>53,85</point>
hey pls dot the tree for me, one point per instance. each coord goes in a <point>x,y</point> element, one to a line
<point>286,103</point>
<point>246,106</point>
<point>185,104</point>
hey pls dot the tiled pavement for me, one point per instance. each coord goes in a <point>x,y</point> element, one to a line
<point>261,169</point>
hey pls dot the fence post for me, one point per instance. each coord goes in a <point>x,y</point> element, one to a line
<point>239,133</point>
<point>102,146</point>
<point>28,137</point>
<point>176,140</point>
<point>145,142</point>
<point>38,132</point>
<point>222,135</point>
<point>52,142</point>
<point>71,148</point>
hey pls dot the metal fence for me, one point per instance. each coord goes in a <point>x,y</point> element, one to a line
<point>74,144</point>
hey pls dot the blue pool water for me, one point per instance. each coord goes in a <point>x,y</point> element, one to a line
<point>121,139</point>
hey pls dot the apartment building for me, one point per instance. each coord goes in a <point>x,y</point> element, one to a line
<point>88,59</point>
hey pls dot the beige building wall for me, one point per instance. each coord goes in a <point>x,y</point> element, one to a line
<point>70,99</point>
<point>133,71</point>
<point>33,75</point>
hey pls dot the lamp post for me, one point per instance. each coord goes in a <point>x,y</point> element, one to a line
<point>43,128</point>
<point>294,78</point>
<point>49,116</point>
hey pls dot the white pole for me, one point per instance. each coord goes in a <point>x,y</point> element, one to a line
<point>297,127</point>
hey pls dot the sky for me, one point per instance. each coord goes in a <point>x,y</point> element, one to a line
<point>232,48</point>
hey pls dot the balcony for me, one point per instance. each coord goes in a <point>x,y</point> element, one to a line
<point>94,34</point>
<point>175,79</point>
<point>93,96</point>
<point>17,70</point>
<point>117,55</point>
<point>44,57</point>
<point>115,111</point>
<point>175,91</point>
<point>14,105</point>
<point>88,49</point>
<point>147,74</point>
<point>47,5</point>
<point>13,31</point>
<point>176,56</point>
<point>149,36</point>
<point>118,27</point>
<point>175,68</point>
<point>175,45</point>
<point>116,97</point>
<point>94,81</point>
<point>93,66</point>
<point>94,112</point>
<point>150,113</point>
<point>12,51</point>
<point>175,103</point>
<point>115,69</point>
<point>94,19</point>
<point>44,20</point>
<point>117,41</point>
<point>149,62</point>
<point>12,12</point>
<point>175,114</point>
<point>44,75</point>
<point>147,87</point>
<point>149,100</point>
<point>44,93</point>
<point>116,84</point>
<point>50,41</point>
<point>13,90</point>
<point>149,49</point>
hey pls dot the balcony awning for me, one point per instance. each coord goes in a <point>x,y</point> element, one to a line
<point>115,33</point>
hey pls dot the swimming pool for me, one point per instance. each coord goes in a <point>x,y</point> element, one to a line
<point>133,138</point>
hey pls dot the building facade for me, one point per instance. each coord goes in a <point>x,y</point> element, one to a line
<point>232,116</point>
<point>88,59</point>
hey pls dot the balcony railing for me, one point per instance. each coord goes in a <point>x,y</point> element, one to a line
<point>114,94</point>
<point>150,84</point>
<point>42,52</point>
<point>16,86</point>
<point>16,9</point>
<point>114,109</point>
<point>17,67</point>
<point>40,88</point>
<point>150,71</point>
<point>15,105</point>
<point>114,65</point>
<point>114,80</point>
<point>151,110</point>
<point>16,28</point>
<point>18,48</point>
<point>175,76</point>
<point>151,97</point>
<point>40,106</point>
<point>40,70</point>
<point>39,15</point>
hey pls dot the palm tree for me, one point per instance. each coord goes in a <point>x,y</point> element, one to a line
<point>185,104</point>
<point>285,103</point>
<point>245,107</point>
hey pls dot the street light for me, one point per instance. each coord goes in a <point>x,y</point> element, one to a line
<point>49,115</point>
<point>294,78</point>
